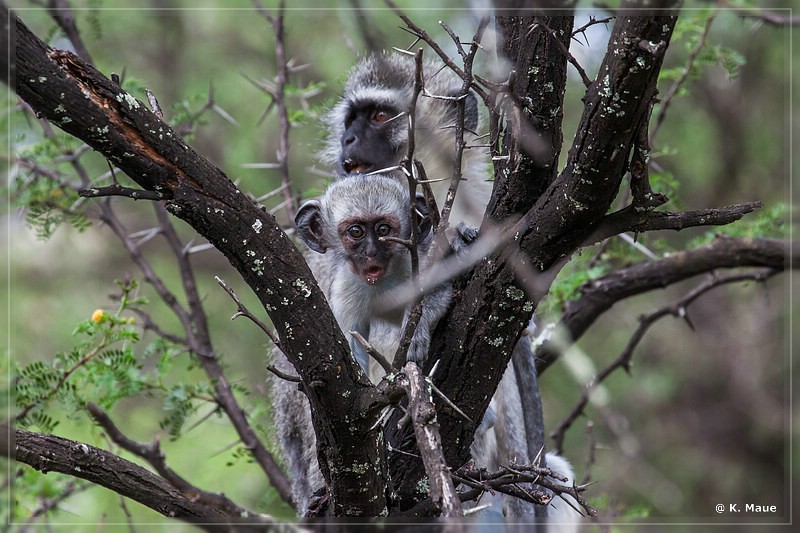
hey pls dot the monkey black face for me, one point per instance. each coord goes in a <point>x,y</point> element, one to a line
<point>368,253</point>
<point>373,138</point>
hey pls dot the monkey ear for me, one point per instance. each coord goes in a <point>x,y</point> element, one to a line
<point>308,221</point>
<point>425,224</point>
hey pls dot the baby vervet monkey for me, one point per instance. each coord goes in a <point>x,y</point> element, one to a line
<point>359,271</point>
<point>353,225</point>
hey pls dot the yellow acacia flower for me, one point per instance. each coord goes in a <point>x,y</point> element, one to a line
<point>97,316</point>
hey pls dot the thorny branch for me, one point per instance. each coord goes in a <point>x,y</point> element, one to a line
<point>599,295</point>
<point>422,34</point>
<point>678,309</point>
<point>574,62</point>
<point>279,99</point>
<point>429,441</point>
<point>242,310</point>
<point>409,167</point>
<point>592,22</point>
<point>634,220</point>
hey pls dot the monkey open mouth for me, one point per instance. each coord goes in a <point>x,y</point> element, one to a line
<point>351,166</point>
<point>373,274</point>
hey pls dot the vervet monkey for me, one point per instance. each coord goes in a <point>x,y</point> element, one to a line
<point>358,273</point>
<point>368,129</point>
<point>364,271</point>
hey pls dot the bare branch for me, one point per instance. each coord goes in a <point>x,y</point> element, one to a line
<point>426,429</point>
<point>54,454</point>
<point>592,22</point>
<point>422,34</point>
<point>242,310</point>
<point>677,309</point>
<point>631,219</point>
<point>118,190</point>
<point>279,100</point>
<point>574,62</point>
<point>153,454</point>
<point>282,375</point>
<point>599,295</point>
<point>372,352</point>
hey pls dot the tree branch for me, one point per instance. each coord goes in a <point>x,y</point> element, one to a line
<point>153,454</point>
<point>429,442</point>
<point>631,219</point>
<point>49,453</point>
<point>599,295</point>
<point>677,309</point>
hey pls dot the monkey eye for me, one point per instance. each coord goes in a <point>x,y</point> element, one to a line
<point>383,230</point>
<point>355,232</point>
<point>381,115</point>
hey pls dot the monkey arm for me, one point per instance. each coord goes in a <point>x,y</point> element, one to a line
<point>434,306</point>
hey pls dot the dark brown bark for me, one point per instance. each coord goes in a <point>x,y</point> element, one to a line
<point>526,151</point>
<point>49,453</point>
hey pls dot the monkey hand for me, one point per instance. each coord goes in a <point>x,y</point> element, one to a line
<point>462,238</point>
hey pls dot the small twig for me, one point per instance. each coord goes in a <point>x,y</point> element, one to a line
<point>592,22</point>
<point>119,190</point>
<point>447,400</point>
<point>282,375</point>
<point>408,243</point>
<point>149,324</point>
<point>419,33</point>
<point>564,50</point>
<point>154,104</point>
<point>372,352</point>
<point>430,200</point>
<point>243,311</point>
<point>46,504</point>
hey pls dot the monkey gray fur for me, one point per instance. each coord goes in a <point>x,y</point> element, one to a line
<point>358,272</point>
